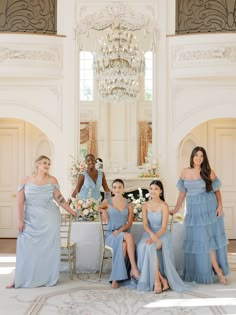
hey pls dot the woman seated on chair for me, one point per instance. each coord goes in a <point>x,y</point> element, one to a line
<point>155,253</point>
<point>118,212</point>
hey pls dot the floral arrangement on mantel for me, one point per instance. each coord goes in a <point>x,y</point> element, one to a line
<point>78,166</point>
<point>151,167</point>
<point>87,210</point>
<point>137,204</point>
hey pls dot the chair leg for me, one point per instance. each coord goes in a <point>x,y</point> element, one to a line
<point>74,261</point>
<point>101,264</point>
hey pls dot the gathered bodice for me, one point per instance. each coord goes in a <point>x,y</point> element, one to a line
<point>154,220</point>
<point>36,195</point>
<point>91,189</point>
<point>196,186</point>
<point>117,218</point>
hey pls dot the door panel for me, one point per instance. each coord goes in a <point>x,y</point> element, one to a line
<point>222,152</point>
<point>12,165</point>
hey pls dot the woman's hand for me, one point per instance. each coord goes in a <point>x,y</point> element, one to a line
<point>154,238</point>
<point>116,232</point>
<point>74,213</point>
<point>21,226</point>
<point>149,241</point>
<point>219,211</point>
<point>173,211</point>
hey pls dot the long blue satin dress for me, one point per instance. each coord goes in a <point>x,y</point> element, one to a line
<point>38,245</point>
<point>91,189</point>
<point>117,219</point>
<point>147,254</point>
<point>205,232</point>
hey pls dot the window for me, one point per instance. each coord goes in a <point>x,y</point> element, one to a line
<point>148,76</point>
<point>86,76</point>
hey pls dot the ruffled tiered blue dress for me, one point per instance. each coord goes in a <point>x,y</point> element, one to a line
<point>38,246</point>
<point>90,189</point>
<point>116,220</point>
<point>205,232</point>
<point>147,258</point>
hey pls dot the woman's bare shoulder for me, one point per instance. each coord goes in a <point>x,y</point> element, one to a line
<point>53,180</point>
<point>24,180</point>
<point>185,172</point>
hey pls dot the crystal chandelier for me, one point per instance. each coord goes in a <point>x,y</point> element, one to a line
<point>118,65</point>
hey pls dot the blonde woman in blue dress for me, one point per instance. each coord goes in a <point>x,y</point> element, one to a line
<point>205,243</point>
<point>38,242</point>
<point>118,212</point>
<point>155,252</point>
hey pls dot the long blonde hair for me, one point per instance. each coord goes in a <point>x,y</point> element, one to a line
<point>39,159</point>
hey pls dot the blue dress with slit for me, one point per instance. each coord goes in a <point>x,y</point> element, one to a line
<point>117,219</point>
<point>38,245</point>
<point>205,231</point>
<point>147,254</point>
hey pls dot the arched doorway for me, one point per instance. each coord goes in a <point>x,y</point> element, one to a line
<point>218,136</point>
<point>20,143</point>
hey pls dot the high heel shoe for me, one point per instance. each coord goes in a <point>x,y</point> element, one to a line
<point>165,285</point>
<point>157,288</point>
<point>115,285</point>
<point>136,277</point>
<point>222,278</point>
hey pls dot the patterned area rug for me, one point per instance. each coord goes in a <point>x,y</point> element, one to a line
<point>95,298</point>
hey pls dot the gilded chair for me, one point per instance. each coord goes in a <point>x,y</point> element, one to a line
<point>106,253</point>
<point>68,246</point>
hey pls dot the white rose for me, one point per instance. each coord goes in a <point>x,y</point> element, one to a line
<point>85,212</point>
<point>135,211</point>
<point>140,215</point>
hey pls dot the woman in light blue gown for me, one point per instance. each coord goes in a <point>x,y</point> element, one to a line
<point>119,215</point>
<point>205,243</point>
<point>38,241</point>
<point>155,252</point>
<point>90,181</point>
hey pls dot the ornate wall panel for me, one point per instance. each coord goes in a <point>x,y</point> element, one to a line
<point>205,16</point>
<point>28,16</point>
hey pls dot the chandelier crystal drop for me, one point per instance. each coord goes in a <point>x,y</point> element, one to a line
<point>118,65</point>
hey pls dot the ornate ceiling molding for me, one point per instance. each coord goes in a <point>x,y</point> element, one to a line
<point>114,14</point>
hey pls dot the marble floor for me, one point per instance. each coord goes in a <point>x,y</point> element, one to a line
<point>88,295</point>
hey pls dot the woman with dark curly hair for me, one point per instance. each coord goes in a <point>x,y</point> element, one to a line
<point>205,244</point>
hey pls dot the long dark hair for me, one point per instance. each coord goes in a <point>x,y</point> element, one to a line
<point>205,171</point>
<point>160,185</point>
<point>118,180</point>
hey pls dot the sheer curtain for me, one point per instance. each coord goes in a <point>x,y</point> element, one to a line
<point>88,134</point>
<point>145,137</point>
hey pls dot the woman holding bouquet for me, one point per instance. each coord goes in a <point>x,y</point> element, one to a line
<point>205,241</point>
<point>38,242</point>
<point>155,252</point>
<point>90,181</point>
<point>118,212</point>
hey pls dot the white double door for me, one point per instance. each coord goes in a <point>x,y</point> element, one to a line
<point>12,152</point>
<point>20,144</point>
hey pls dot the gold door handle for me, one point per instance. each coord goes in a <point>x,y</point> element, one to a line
<point>14,196</point>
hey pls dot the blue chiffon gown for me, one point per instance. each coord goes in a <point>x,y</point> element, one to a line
<point>205,232</point>
<point>90,189</point>
<point>147,258</point>
<point>38,246</point>
<point>116,220</point>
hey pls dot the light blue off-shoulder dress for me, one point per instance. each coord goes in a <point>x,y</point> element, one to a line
<point>91,189</point>
<point>147,254</point>
<point>205,232</point>
<point>117,219</point>
<point>38,246</point>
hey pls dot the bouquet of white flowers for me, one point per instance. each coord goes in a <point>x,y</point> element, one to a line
<point>87,209</point>
<point>137,203</point>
